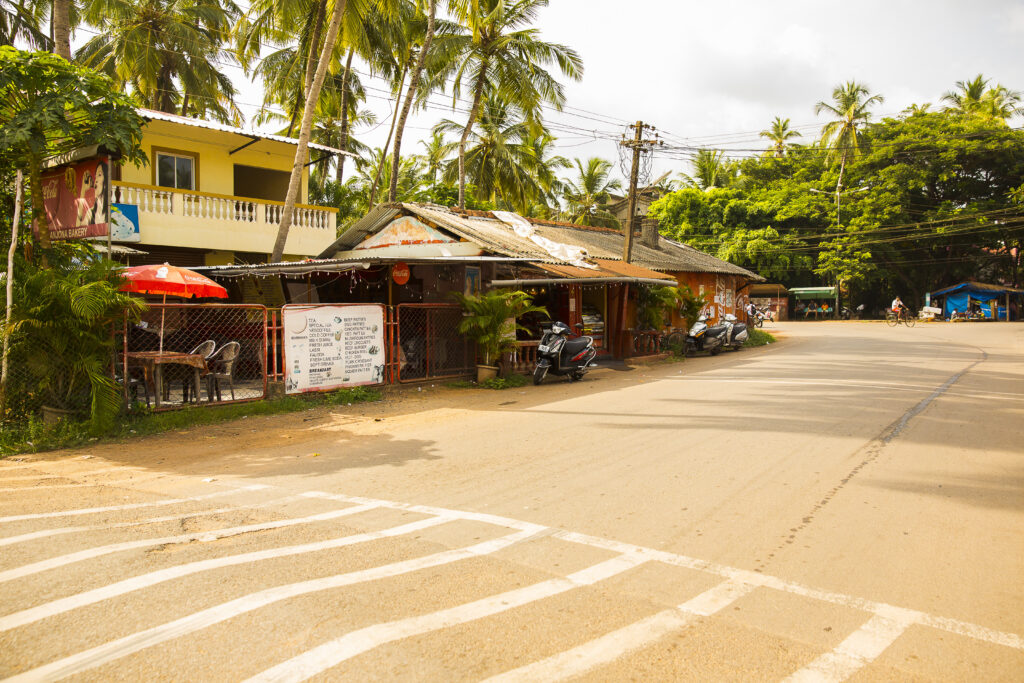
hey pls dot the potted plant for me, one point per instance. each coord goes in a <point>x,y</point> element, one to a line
<point>489,319</point>
<point>62,337</point>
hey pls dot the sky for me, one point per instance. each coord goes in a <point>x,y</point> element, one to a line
<point>715,72</point>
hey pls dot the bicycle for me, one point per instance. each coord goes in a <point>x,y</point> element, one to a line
<point>892,318</point>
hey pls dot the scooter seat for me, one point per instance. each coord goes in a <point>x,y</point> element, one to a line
<point>574,346</point>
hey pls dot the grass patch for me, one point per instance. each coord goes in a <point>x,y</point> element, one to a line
<point>758,337</point>
<point>32,436</point>
<point>510,382</point>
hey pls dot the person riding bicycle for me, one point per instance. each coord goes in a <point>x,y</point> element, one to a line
<point>897,307</point>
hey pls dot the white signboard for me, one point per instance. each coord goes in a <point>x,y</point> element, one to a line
<point>329,347</point>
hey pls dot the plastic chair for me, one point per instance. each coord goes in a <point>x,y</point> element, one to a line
<point>222,366</point>
<point>188,379</point>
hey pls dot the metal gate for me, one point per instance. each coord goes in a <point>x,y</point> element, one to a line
<point>429,345</point>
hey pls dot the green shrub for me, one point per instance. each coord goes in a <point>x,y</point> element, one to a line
<point>758,337</point>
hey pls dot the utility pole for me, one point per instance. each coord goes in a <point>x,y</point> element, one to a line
<point>639,146</point>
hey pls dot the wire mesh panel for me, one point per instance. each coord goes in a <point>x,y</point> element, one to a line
<point>39,384</point>
<point>429,343</point>
<point>179,354</point>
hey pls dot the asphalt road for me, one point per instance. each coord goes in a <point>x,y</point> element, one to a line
<point>844,505</point>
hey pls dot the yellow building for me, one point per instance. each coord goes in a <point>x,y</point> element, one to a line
<point>212,194</point>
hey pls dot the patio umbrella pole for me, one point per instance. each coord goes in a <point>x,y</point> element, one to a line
<point>163,310</point>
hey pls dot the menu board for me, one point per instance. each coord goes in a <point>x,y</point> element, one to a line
<point>329,347</point>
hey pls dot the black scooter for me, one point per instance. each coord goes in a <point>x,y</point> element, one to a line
<point>560,355</point>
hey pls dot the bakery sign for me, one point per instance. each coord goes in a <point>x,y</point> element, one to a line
<point>76,197</point>
<point>330,347</point>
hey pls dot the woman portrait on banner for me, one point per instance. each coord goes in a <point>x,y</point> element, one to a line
<point>98,214</point>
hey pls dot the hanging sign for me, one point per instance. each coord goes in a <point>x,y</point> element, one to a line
<point>76,199</point>
<point>329,347</point>
<point>400,273</point>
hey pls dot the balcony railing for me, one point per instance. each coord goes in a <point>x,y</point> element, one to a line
<point>204,205</point>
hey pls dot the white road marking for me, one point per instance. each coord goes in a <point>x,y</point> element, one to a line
<point>135,583</point>
<point>32,536</point>
<point>942,623</point>
<point>201,536</point>
<point>131,506</point>
<point>334,652</point>
<point>114,650</point>
<point>588,656</point>
<point>862,647</point>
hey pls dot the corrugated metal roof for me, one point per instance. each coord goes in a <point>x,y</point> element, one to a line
<point>154,115</point>
<point>605,268</point>
<point>482,228</point>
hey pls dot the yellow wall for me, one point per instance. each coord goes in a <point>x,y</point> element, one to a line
<point>219,222</point>
<point>216,166</point>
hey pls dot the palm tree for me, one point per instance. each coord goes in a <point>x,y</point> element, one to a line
<point>968,95</point>
<point>778,134</point>
<point>496,55</point>
<point>850,104</point>
<point>1002,103</point>
<point>436,152</point>
<point>423,50</point>
<point>167,52</point>
<point>711,169</point>
<point>23,20</point>
<point>586,197</point>
<point>499,161</point>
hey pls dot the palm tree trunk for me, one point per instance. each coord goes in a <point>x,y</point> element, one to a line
<point>345,94</point>
<point>302,149</point>
<point>20,182</point>
<point>387,145</point>
<point>295,115</point>
<point>478,93</point>
<point>318,25</point>
<point>413,83</point>
<point>61,19</point>
<point>184,105</point>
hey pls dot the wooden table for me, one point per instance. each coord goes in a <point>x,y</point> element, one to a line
<point>152,363</point>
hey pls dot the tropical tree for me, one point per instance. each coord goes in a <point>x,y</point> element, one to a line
<point>422,50</point>
<point>967,96</point>
<point>711,169</point>
<point>23,20</point>
<point>586,198</point>
<point>545,165</point>
<point>975,97</point>
<point>169,52</point>
<point>302,148</point>
<point>499,161</point>
<point>850,106</point>
<point>779,134</point>
<point>436,152</point>
<point>49,106</point>
<point>495,56</point>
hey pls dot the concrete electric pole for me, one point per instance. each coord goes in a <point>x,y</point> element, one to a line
<point>639,147</point>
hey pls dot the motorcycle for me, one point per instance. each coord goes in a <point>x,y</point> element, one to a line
<point>730,333</point>
<point>560,355</point>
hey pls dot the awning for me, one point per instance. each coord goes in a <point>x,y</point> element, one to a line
<point>813,292</point>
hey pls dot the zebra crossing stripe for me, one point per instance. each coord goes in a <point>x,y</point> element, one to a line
<point>332,653</point>
<point>135,583</point>
<point>201,536</point>
<point>45,533</point>
<point>862,647</point>
<point>131,506</point>
<point>609,647</point>
<point>116,649</point>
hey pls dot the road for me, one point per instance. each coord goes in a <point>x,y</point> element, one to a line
<point>843,505</point>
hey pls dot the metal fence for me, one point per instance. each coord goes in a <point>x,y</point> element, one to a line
<point>39,384</point>
<point>180,354</point>
<point>429,345</point>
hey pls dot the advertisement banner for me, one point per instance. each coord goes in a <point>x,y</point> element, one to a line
<point>329,347</point>
<point>124,223</point>
<point>77,199</point>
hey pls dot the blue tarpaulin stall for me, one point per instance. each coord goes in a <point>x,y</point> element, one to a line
<point>959,298</point>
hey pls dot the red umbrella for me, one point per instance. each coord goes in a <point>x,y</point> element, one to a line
<point>167,279</point>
